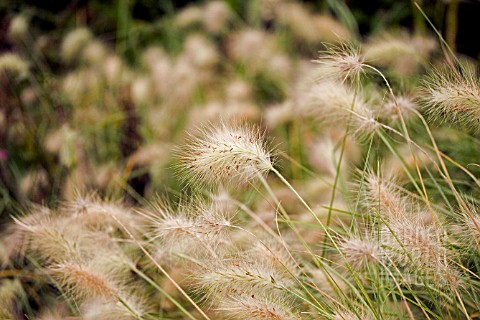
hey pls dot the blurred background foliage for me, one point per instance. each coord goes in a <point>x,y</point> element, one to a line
<point>131,24</point>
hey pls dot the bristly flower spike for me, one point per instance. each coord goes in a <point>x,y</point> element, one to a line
<point>453,95</point>
<point>342,61</point>
<point>360,253</point>
<point>226,154</point>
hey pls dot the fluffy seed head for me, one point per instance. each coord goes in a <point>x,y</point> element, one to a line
<point>83,281</point>
<point>200,51</point>
<point>473,228</point>
<point>226,154</point>
<point>310,28</point>
<point>13,65</point>
<point>468,229</point>
<point>296,17</point>
<point>257,307</point>
<point>414,238</point>
<point>331,30</point>
<point>195,229</point>
<point>97,215</point>
<point>18,29</point>
<point>188,16</point>
<point>253,48</point>
<point>333,101</point>
<point>453,95</point>
<point>360,253</point>
<point>389,111</point>
<point>52,238</point>
<point>215,16</point>
<point>343,62</point>
<point>243,277</point>
<point>114,310</point>
<point>275,253</point>
<point>401,53</point>
<point>419,248</point>
<point>94,53</point>
<point>383,196</point>
<point>74,44</point>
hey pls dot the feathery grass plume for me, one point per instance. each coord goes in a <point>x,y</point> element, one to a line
<point>200,51</point>
<point>105,309</point>
<point>13,66</point>
<point>192,78</point>
<point>160,67</point>
<point>297,18</point>
<point>242,276</point>
<point>18,28</point>
<point>215,16</point>
<point>394,165</point>
<point>95,54</point>
<point>383,196</point>
<point>115,71</point>
<point>97,215</point>
<point>388,109</point>
<point>310,28</point>
<point>275,253</point>
<point>343,62</point>
<point>419,247</point>
<point>238,90</point>
<point>84,280</point>
<point>56,236</point>
<point>279,67</point>
<point>226,154</point>
<point>188,16</point>
<point>453,95</point>
<point>255,49</point>
<point>403,53</point>
<point>289,12</point>
<point>467,230</point>
<point>81,88</point>
<point>336,102</point>
<point>195,229</point>
<point>331,30</point>
<point>223,201</point>
<point>142,90</point>
<point>74,44</point>
<point>360,253</point>
<point>257,307</point>
<point>52,237</point>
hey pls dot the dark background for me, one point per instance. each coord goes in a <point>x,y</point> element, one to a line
<point>371,15</point>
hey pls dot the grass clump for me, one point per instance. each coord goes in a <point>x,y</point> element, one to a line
<point>141,183</point>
